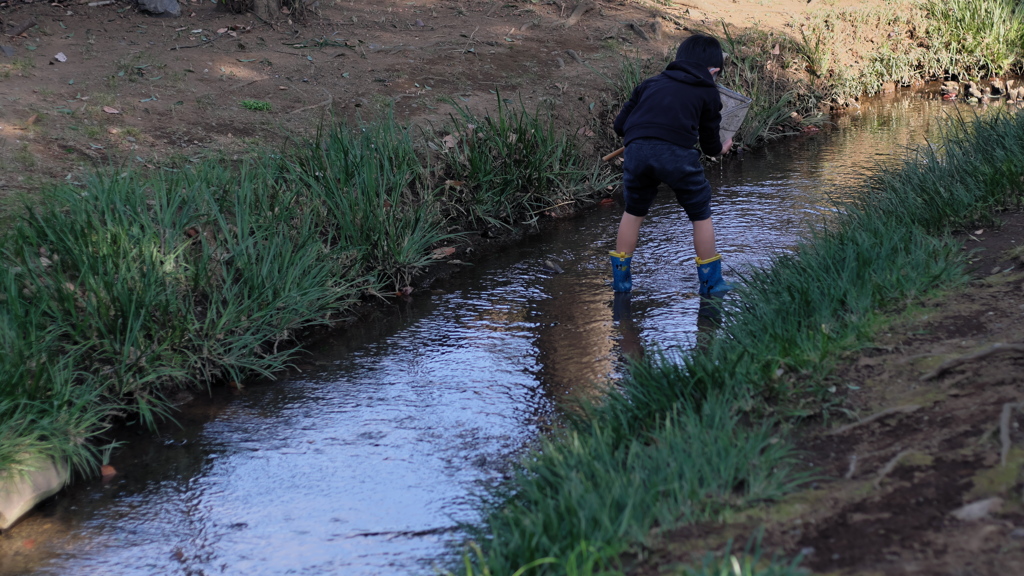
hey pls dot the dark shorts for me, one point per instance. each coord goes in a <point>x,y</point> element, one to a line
<point>650,162</point>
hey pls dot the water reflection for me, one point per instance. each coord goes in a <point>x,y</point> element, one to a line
<point>630,341</point>
<point>363,462</point>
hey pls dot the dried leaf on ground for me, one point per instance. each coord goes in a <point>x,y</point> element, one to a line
<point>443,252</point>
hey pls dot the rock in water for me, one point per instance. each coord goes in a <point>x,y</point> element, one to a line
<point>973,91</point>
<point>549,265</point>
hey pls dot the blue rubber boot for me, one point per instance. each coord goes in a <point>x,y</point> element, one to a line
<point>709,274</point>
<point>622,277</point>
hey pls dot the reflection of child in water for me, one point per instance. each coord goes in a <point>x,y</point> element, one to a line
<point>709,319</point>
<point>661,125</point>
<point>631,345</point>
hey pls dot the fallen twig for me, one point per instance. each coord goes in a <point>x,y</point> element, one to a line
<point>670,18</point>
<point>246,83</point>
<point>853,467</point>
<point>328,102</point>
<point>985,435</point>
<point>953,363</point>
<point>470,40</point>
<point>896,410</point>
<point>268,23</point>
<point>552,207</point>
<point>204,43</point>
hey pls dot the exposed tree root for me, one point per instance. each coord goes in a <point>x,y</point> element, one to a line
<point>890,466</point>
<point>578,12</point>
<point>1004,431</point>
<point>875,416</point>
<point>954,362</point>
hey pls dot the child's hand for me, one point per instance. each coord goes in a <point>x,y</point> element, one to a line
<point>726,146</point>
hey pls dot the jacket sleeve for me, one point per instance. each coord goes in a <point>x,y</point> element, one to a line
<point>710,124</point>
<point>627,108</point>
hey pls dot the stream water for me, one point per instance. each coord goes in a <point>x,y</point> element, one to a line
<point>365,462</point>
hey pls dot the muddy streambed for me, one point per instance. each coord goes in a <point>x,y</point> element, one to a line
<point>365,462</point>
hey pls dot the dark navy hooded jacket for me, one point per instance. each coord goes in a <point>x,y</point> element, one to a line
<point>681,105</point>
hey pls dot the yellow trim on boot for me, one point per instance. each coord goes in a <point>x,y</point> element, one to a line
<point>708,261</point>
<point>619,254</point>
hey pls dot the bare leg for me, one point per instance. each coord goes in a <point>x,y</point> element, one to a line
<point>629,233</point>
<point>703,239</point>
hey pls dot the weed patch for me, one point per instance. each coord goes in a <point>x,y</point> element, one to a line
<point>373,190</point>
<point>511,167</point>
<point>256,105</point>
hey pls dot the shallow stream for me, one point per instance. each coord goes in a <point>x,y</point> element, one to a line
<point>365,462</point>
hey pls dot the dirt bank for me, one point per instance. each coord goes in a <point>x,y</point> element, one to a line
<point>97,85</point>
<point>934,428</point>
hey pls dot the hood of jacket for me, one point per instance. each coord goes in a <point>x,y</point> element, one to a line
<point>688,72</point>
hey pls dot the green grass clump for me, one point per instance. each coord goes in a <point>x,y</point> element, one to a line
<point>979,37</point>
<point>205,275</point>
<point>39,383</point>
<point>510,167</point>
<point>694,462</point>
<point>775,96</point>
<point>688,437</point>
<point>372,187</point>
<point>256,105</point>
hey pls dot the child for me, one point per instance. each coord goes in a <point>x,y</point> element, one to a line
<point>661,124</point>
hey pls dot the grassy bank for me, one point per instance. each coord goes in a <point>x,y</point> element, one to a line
<point>907,41</point>
<point>692,437</point>
<point>826,60</point>
<point>118,293</point>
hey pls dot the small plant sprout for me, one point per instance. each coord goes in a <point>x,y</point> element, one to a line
<point>257,105</point>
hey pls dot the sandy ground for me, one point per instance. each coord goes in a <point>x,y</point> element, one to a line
<point>138,89</point>
<point>101,85</point>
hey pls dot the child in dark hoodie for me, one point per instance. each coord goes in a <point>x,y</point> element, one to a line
<point>661,124</point>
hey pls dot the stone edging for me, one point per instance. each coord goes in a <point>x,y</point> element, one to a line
<point>38,479</point>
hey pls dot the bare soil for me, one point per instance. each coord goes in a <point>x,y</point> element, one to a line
<point>132,87</point>
<point>145,90</point>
